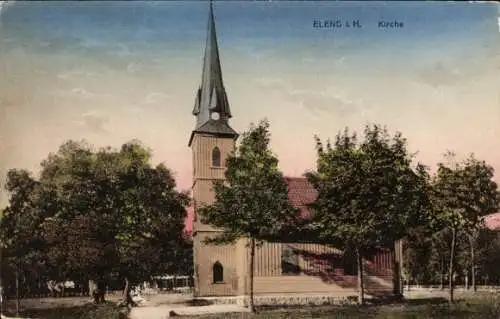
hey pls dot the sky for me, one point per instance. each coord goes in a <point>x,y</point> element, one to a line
<point>116,71</point>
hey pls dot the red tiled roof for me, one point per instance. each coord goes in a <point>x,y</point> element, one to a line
<point>492,221</point>
<point>300,193</point>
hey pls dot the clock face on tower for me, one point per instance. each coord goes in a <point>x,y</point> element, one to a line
<point>214,116</point>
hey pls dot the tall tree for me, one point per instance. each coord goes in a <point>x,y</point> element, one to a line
<point>449,212</point>
<point>463,193</point>
<point>252,202</point>
<point>482,198</point>
<point>19,231</point>
<point>368,193</point>
<point>109,211</point>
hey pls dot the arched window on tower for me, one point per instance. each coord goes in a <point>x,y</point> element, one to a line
<point>218,272</point>
<point>216,157</point>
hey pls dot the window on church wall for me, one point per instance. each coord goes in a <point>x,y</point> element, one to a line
<point>216,158</point>
<point>289,261</point>
<point>350,264</point>
<point>218,273</point>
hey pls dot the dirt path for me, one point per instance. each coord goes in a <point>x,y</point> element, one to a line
<point>160,312</point>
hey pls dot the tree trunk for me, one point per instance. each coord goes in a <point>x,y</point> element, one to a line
<point>361,292</point>
<point>92,288</point>
<point>101,287</point>
<point>466,279</point>
<point>473,263</point>
<point>17,293</point>
<point>196,281</point>
<point>452,265</point>
<point>442,273</point>
<point>127,297</point>
<point>99,291</point>
<point>1,297</point>
<point>252,260</point>
<point>441,286</point>
<point>1,286</point>
<point>397,287</point>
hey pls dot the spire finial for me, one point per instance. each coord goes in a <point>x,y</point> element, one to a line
<point>211,97</point>
<point>211,106</point>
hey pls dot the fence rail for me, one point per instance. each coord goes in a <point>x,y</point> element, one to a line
<point>74,293</point>
<point>488,288</point>
<point>36,289</point>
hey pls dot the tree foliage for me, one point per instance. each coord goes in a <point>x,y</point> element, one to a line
<point>368,194</point>
<point>20,239</point>
<point>434,269</point>
<point>252,202</point>
<point>463,193</point>
<point>417,247</point>
<point>99,213</point>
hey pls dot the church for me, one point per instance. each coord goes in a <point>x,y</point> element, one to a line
<point>280,268</point>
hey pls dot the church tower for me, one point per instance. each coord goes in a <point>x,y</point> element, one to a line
<point>211,141</point>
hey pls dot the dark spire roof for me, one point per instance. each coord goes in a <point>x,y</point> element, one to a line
<point>211,96</point>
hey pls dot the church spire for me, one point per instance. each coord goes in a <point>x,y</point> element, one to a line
<point>211,106</point>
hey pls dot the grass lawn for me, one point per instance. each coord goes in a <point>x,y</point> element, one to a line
<point>108,310</point>
<point>479,306</point>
